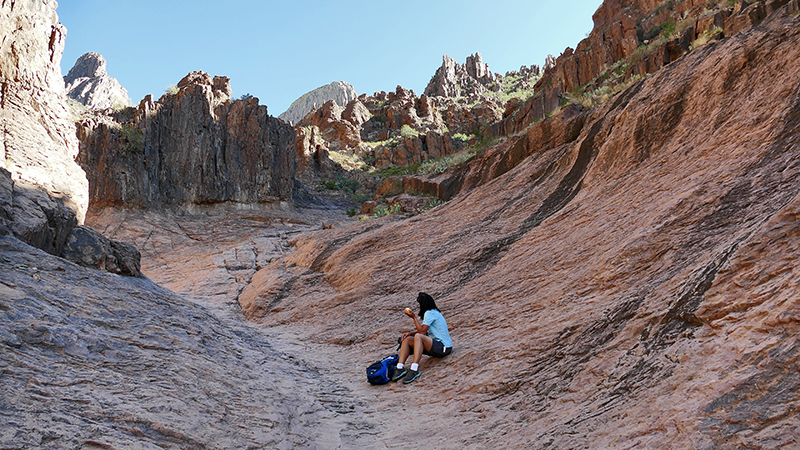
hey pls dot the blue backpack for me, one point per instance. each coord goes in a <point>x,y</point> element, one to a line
<point>380,372</point>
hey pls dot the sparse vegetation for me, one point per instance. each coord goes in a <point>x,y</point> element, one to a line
<point>78,109</point>
<point>515,86</point>
<point>705,37</point>
<point>171,89</point>
<point>133,139</point>
<point>341,184</point>
<point>407,132</point>
<point>348,161</point>
<point>592,98</point>
<point>385,210</point>
<point>433,203</point>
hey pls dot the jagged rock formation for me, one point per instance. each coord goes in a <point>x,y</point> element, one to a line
<point>627,40</point>
<point>37,136</point>
<point>194,147</point>
<point>454,80</point>
<point>396,128</point>
<point>618,277</point>
<point>42,221</point>
<point>88,82</point>
<point>339,92</point>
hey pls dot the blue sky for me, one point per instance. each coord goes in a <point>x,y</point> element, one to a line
<point>278,51</point>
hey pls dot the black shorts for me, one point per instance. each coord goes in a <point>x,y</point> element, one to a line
<point>438,349</point>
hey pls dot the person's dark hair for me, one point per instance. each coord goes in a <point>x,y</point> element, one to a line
<point>426,303</point>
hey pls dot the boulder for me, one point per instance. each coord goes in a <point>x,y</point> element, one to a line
<point>89,248</point>
<point>42,221</point>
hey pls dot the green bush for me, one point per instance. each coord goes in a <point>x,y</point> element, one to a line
<point>341,184</point>
<point>133,139</point>
<point>407,132</point>
<point>385,210</point>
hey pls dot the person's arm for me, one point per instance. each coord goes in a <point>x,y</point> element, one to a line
<point>421,328</point>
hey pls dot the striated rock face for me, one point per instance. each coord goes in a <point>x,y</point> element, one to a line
<point>634,38</point>
<point>89,83</point>
<point>189,148</point>
<point>92,360</point>
<point>339,92</point>
<point>625,278</point>
<point>454,80</point>
<point>37,140</point>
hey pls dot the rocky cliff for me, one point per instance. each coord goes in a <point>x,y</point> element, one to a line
<point>630,40</point>
<point>457,80</point>
<point>622,276</point>
<point>88,83</point>
<point>339,92</point>
<point>38,135</point>
<point>193,147</point>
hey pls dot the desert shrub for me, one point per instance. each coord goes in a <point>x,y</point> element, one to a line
<point>705,36</point>
<point>171,89</point>
<point>132,138</point>
<point>341,184</point>
<point>385,210</point>
<point>407,132</point>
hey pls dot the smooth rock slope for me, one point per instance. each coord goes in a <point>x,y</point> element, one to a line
<point>92,360</point>
<point>627,284</point>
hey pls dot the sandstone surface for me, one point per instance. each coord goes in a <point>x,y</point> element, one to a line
<point>633,39</point>
<point>89,83</point>
<point>630,285</point>
<point>38,136</point>
<point>194,147</point>
<point>339,92</point>
<point>96,361</point>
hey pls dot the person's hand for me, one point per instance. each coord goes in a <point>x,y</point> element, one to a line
<point>405,335</point>
<point>408,312</point>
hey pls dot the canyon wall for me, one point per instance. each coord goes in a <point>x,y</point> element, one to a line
<point>633,39</point>
<point>38,134</point>
<point>195,146</point>
<point>627,282</point>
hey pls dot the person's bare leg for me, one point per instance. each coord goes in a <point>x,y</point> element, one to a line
<point>421,342</point>
<point>404,349</point>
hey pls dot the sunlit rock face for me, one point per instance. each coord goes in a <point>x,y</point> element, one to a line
<point>338,92</point>
<point>38,135</point>
<point>195,146</point>
<point>89,83</point>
